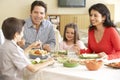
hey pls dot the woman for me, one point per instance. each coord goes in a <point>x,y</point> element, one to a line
<point>71,41</point>
<point>12,57</point>
<point>103,36</point>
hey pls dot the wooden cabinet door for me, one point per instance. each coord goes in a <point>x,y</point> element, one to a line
<point>65,19</point>
<point>81,20</point>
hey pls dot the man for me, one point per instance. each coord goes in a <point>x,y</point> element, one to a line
<point>37,28</point>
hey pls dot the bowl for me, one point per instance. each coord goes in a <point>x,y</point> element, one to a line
<point>93,64</point>
<point>70,63</point>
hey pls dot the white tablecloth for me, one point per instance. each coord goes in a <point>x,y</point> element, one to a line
<point>58,72</point>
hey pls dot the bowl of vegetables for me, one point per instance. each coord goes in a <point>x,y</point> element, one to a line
<point>71,63</point>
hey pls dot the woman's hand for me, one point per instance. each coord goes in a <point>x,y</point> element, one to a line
<point>47,47</point>
<point>36,44</point>
<point>103,55</point>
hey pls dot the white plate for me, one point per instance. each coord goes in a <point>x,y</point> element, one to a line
<point>89,56</point>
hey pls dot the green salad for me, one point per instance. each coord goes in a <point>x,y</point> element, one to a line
<point>62,52</point>
<point>70,63</point>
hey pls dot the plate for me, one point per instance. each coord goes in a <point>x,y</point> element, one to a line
<point>42,54</point>
<point>89,56</point>
<point>59,52</point>
<point>35,62</point>
<point>114,65</point>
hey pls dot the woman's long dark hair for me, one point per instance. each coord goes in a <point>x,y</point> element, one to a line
<point>104,11</point>
<point>76,34</point>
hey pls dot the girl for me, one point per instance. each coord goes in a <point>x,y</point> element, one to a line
<point>71,40</point>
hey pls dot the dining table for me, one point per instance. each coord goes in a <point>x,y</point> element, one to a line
<point>58,72</point>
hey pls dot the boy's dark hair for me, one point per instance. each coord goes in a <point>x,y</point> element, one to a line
<point>10,26</point>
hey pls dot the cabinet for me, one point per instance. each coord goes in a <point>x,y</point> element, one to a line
<point>55,19</point>
<point>111,9</point>
<point>81,20</point>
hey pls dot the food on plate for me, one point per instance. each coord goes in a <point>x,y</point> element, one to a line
<point>38,52</point>
<point>62,52</point>
<point>93,64</point>
<point>62,59</point>
<point>37,61</point>
<point>42,54</point>
<point>82,61</point>
<point>89,56</point>
<point>114,65</point>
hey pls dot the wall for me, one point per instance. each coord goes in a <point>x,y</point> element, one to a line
<point>14,8</point>
<point>20,8</point>
<point>53,9</point>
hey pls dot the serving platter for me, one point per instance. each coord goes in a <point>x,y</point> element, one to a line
<point>115,65</point>
<point>89,56</point>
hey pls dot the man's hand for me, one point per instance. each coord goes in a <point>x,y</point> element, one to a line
<point>47,47</point>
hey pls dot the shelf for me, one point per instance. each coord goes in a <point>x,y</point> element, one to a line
<point>55,19</point>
